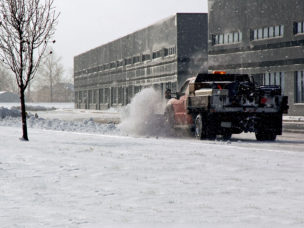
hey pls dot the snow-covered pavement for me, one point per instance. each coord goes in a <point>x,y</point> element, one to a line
<point>70,179</point>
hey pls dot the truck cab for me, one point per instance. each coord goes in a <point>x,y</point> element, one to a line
<point>226,104</point>
<point>177,107</point>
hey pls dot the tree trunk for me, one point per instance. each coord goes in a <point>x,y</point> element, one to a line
<point>51,85</point>
<point>51,91</point>
<point>23,115</point>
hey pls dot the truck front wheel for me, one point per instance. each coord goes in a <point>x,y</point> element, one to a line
<point>169,117</point>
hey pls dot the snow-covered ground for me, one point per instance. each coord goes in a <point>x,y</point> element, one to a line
<point>70,179</point>
<point>87,174</point>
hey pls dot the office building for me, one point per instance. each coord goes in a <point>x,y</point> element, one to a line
<point>261,38</point>
<point>162,56</point>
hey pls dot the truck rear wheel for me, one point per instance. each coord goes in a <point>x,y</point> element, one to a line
<point>265,136</point>
<point>227,136</point>
<point>203,130</point>
<point>199,128</point>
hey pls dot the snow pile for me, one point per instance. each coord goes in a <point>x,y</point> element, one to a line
<point>87,126</point>
<point>140,116</point>
<point>35,108</point>
<point>41,104</point>
<point>4,112</point>
<point>12,118</point>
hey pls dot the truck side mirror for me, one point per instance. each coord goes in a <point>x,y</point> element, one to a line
<point>168,94</point>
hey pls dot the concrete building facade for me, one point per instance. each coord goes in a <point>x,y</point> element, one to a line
<point>261,38</point>
<point>162,56</point>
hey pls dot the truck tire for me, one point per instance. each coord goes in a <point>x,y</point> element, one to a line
<point>169,116</point>
<point>199,130</point>
<point>203,130</point>
<point>227,136</point>
<point>210,127</point>
<point>265,136</point>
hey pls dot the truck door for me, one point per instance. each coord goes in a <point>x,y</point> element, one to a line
<point>179,105</point>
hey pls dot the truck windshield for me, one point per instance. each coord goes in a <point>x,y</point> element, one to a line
<point>183,89</point>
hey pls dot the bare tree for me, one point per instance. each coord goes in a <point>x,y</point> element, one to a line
<point>7,80</point>
<point>26,28</point>
<point>50,73</point>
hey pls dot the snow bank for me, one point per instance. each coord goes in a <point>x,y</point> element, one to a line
<point>141,116</point>
<point>14,111</point>
<point>41,104</point>
<point>4,112</point>
<point>12,118</point>
<point>35,108</point>
<point>87,126</point>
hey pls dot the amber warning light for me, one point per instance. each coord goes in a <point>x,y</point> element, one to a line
<point>219,72</point>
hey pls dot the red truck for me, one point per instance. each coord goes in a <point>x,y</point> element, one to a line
<point>226,104</point>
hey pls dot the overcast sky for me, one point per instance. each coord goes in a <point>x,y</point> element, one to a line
<point>86,24</point>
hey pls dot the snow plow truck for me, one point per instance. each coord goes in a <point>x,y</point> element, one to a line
<point>225,104</point>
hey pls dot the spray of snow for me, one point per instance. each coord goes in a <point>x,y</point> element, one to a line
<point>143,116</point>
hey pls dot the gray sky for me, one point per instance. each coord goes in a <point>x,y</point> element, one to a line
<point>86,24</point>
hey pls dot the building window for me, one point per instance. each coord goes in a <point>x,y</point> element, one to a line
<point>227,38</point>
<point>146,57</point>
<point>76,97</point>
<point>230,38</point>
<point>166,51</point>
<point>120,95</point>
<point>107,66</point>
<point>282,30</point>
<point>128,61</point>
<point>267,32</point>
<point>90,96</point>
<point>154,55</point>
<point>172,51</point>
<point>260,34</point>
<point>275,78</point>
<point>276,31</point>
<point>299,86</point>
<point>114,95</point>
<point>157,54</point>
<point>119,63</point>
<point>112,65</point>
<point>107,94</point>
<point>136,59</point>
<point>221,39</point>
<point>298,27</point>
<point>137,89</point>
<point>235,37</point>
<point>95,96</point>
<point>271,32</point>
<point>215,39</point>
<point>101,97</point>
